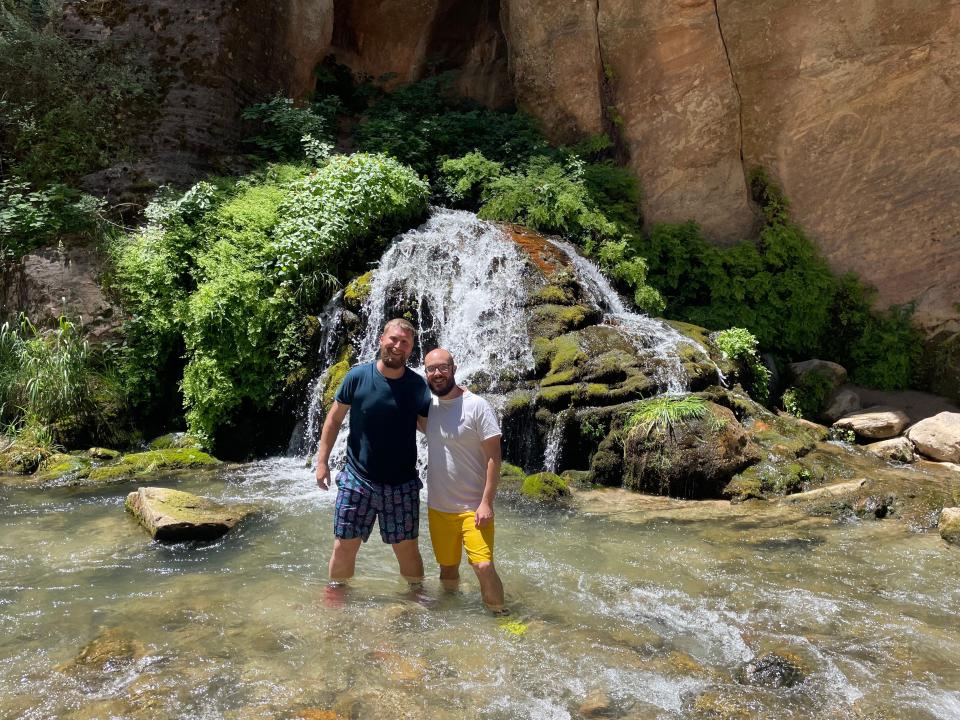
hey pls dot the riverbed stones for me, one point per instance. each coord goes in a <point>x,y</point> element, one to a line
<point>938,437</point>
<point>690,458</point>
<point>836,374</point>
<point>177,516</point>
<point>949,525</point>
<point>843,402</point>
<point>597,704</point>
<point>898,449</point>
<point>112,650</point>
<point>878,422</point>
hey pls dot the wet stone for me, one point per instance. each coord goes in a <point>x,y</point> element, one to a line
<point>112,650</point>
<point>597,705</point>
<point>949,525</point>
<point>177,516</point>
<point>771,671</point>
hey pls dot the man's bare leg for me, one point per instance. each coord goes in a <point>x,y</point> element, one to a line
<point>450,577</point>
<point>408,557</point>
<point>344,559</point>
<point>491,589</point>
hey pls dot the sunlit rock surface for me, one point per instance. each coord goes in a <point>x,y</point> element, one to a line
<point>176,516</point>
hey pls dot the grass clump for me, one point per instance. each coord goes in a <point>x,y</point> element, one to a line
<point>55,385</point>
<point>664,411</point>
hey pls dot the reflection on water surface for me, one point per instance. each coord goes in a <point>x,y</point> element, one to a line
<point>634,607</point>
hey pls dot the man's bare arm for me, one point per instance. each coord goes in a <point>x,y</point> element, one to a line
<point>328,436</point>
<point>491,452</point>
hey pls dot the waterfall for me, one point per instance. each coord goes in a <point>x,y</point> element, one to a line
<point>465,279</point>
<point>648,335</point>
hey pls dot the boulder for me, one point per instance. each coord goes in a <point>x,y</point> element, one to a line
<point>837,374</point>
<point>878,422</point>
<point>949,525</point>
<point>690,458</point>
<point>177,516</point>
<point>938,437</point>
<point>843,402</point>
<point>897,449</point>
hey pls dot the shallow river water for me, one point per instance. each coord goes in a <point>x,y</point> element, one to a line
<point>630,606</point>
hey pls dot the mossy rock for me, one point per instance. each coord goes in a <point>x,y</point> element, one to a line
<point>62,467</point>
<point>553,294</point>
<point>176,440</point>
<point>690,458</point>
<point>357,291</point>
<point>24,453</point>
<point>550,320</point>
<point>511,473</point>
<point>177,516</point>
<point>133,465</point>
<point>101,453</point>
<point>545,486</point>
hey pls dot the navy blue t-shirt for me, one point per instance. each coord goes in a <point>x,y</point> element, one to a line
<point>382,447</point>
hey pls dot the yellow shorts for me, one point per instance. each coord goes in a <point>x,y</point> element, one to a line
<point>451,532</point>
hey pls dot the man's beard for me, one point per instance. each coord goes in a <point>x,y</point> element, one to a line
<point>392,361</point>
<point>447,387</point>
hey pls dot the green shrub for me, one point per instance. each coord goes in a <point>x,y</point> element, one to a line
<point>226,274</point>
<point>806,399</point>
<point>53,379</point>
<point>68,107</point>
<point>30,217</point>
<point>740,345</point>
<point>424,122</point>
<point>289,132</point>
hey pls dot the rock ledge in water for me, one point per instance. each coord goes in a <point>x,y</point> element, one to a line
<point>949,525</point>
<point>877,423</point>
<point>177,516</point>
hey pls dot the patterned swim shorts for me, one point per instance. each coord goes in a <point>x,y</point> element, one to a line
<point>359,503</point>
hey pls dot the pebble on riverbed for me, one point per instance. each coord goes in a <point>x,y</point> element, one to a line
<point>772,671</point>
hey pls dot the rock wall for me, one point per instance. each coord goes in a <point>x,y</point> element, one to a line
<point>853,107</point>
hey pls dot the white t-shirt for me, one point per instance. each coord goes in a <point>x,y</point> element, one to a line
<point>456,465</point>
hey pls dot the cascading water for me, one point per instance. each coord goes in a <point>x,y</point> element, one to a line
<point>463,277</point>
<point>648,335</point>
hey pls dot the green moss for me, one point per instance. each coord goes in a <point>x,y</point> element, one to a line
<point>334,378</point>
<point>357,291</point>
<point>557,397</point>
<point>176,440</point>
<point>552,320</point>
<point>553,295</point>
<point>145,462</point>
<point>101,453</point>
<point>59,467</point>
<point>545,486</point>
<point>511,472</point>
<point>563,377</point>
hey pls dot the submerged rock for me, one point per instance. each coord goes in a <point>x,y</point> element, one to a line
<point>772,671</point>
<point>949,525</point>
<point>176,516</point>
<point>112,650</point>
<point>938,437</point>
<point>878,422</point>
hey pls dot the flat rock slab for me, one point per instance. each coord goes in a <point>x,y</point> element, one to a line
<point>949,525</point>
<point>878,422</point>
<point>177,516</point>
<point>938,437</point>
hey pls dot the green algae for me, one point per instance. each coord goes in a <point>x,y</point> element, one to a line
<point>545,486</point>
<point>145,462</point>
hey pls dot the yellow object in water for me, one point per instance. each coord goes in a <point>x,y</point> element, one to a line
<point>514,627</point>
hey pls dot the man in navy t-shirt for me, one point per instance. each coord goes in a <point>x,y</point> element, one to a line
<point>380,478</point>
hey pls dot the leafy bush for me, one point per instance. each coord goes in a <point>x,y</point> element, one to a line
<point>807,397</point>
<point>67,107</point>
<point>53,379</point>
<point>285,129</point>
<point>30,217</point>
<point>424,122</point>
<point>740,345</point>
<point>226,274</point>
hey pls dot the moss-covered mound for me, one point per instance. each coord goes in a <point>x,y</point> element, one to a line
<point>139,464</point>
<point>543,487</point>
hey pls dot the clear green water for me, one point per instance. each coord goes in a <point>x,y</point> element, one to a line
<point>650,605</point>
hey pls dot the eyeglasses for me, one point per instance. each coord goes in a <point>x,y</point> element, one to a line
<point>441,368</point>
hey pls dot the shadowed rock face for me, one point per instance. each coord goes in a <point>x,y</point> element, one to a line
<point>850,106</point>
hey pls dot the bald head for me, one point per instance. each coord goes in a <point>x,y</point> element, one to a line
<point>440,370</point>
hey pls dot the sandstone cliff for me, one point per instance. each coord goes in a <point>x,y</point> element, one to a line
<point>853,107</point>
